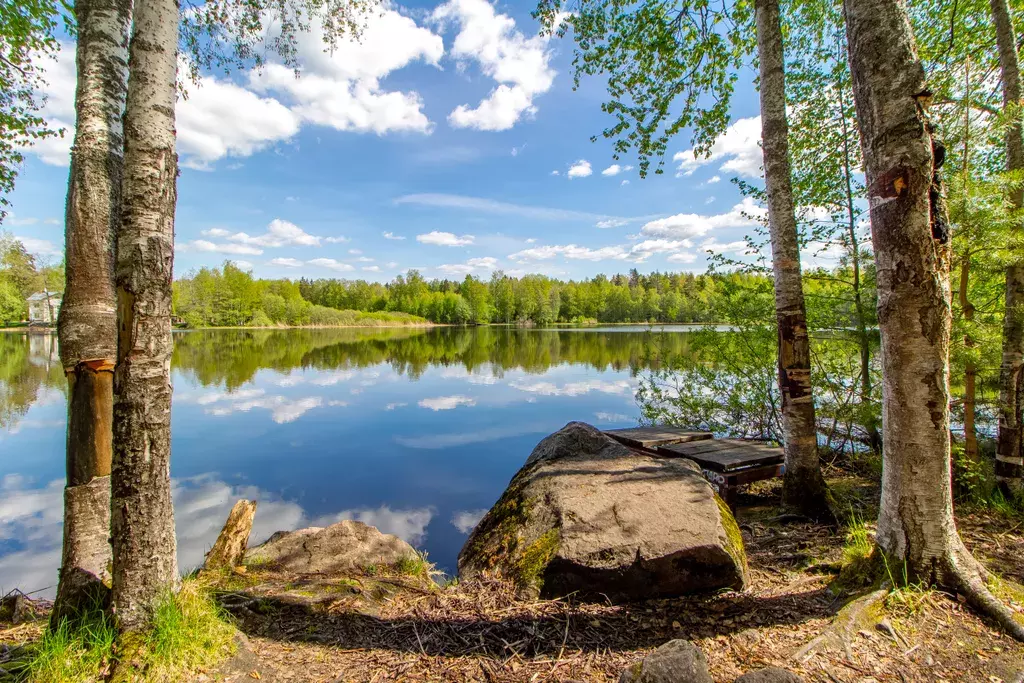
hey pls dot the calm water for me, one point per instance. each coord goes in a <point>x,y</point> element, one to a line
<point>416,432</point>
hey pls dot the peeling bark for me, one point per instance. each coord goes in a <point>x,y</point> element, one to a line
<point>804,487</point>
<point>1010,448</point>
<point>142,518</point>
<point>87,326</point>
<point>915,520</point>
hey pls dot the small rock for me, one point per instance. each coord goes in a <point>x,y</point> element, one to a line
<point>339,548</point>
<point>677,661</point>
<point>772,674</point>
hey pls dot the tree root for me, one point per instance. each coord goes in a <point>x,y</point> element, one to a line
<point>967,576</point>
<point>858,615</point>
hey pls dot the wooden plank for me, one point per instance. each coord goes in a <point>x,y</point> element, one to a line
<point>652,437</point>
<point>724,455</point>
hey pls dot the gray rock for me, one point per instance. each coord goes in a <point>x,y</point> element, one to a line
<point>772,674</point>
<point>339,548</point>
<point>588,516</point>
<point>677,661</point>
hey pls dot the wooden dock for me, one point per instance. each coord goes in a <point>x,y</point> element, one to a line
<point>726,463</point>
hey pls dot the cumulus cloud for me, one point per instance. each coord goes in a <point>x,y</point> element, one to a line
<point>331,264</point>
<point>391,236</point>
<point>689,225</point>
<point>286,262</point>
<point>581,169</point>
<point>206,246</point>
<point>39,247</point>
<point>447,402</point>
<point>445,239</point>
<point>339,239</point>
<point>280,233</point>
<point>615,169</point>
<point>340,88</point>
<point>738,148</point>
<point>470,266</point>
<point>282,409</point>
<point>519,65</point>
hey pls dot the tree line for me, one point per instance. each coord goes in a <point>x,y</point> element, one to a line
<point>230,296</point>
<point>908,95</point>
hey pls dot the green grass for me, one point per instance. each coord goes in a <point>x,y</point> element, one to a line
<point>188,631</point>
<point>72,654</point>
<point>418,566</point>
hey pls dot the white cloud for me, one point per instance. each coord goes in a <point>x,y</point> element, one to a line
<point>736,247</point>
<point>286,262</point>
<point>612,223</point>
<point>569,251</point>
<point>355,252</point>
<point>445,239</point>
<point>340,239</point>
<point>331,264</point>
<point>391,236</point>
<point>519,65</point>
<point>473,264</point>
<point>613,417</point>
<point>624,182</point>
<point>244,265</point>
<point>483,205</point>
<point>447,402</point>
<point>221,119</point>
<point>206,246</point>
<point>39,247</point>
<point>365,259</point>
<point>466,520</point>
<point>341,87</point>
<point>688,225</point>
<point>738,147</point>
<point>280,233</point>
<point>714,179</point>
<point>615,169</point>
<point>684,257</point>
<point>338,88</point>
<point>581,169</point>
<point>392,406</point>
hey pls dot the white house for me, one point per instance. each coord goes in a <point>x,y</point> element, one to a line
<point>43,307</point>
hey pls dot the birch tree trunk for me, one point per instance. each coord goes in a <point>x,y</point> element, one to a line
<point>804,486</point>
<point>87,326</point>
<point>142,519</point>
<point>912,256</point>
<point>1010,448</point>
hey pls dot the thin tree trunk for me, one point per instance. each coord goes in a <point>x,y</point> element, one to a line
<point>1010,448</point>
<point>142,519</point>
<point>804,487</point>
<point>863,339</point>
<point>911,240</point>
<point>87,325</point>
<point>970,371</point>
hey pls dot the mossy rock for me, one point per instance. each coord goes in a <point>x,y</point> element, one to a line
<point>587,516</point>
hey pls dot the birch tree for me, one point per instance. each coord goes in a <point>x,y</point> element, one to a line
<point>87,326</point>
<point>804,487</point>
<point>142,519</point>
<point>1010,448</point>
<point>912,255</point>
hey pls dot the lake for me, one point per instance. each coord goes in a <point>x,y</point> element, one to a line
<point>414,431</point>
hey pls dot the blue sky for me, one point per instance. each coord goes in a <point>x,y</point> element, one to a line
<point>448,140</point>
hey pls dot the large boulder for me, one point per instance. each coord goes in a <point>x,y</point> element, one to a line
<point>343,547</point>
<point>586,515</point>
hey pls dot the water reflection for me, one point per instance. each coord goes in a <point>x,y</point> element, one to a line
<point>414,431</point>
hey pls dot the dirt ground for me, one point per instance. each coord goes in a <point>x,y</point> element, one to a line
<point>386,628</point>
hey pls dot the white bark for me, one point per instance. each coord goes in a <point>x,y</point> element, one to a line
<point>142,518</point>
<point>87,327</point>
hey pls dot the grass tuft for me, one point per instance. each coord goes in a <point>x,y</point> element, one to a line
<point>189,631</point>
